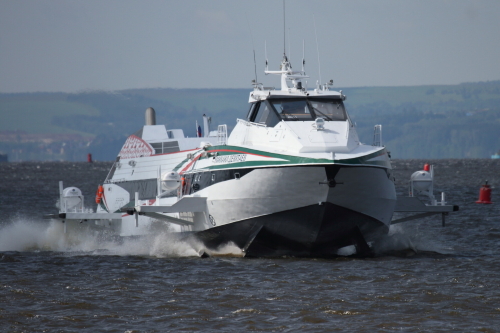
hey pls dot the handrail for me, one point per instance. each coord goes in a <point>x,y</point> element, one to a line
<point>222,135</point>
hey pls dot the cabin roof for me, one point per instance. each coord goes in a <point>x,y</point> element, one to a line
<point>258,95</point>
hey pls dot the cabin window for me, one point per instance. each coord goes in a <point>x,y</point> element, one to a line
<point>165,147</point>
<point>272,111</point>
<point>265,115</point>
<point>292,109</point>
<point>254,107</point>
<point>330,109</point>
<point>304,109</point>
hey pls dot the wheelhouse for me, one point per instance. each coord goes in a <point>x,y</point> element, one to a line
<point>271,111</point>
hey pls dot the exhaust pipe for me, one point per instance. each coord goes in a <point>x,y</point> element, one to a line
<point>150,116</point>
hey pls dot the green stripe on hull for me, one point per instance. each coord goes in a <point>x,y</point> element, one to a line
<point>103,206</point>
<point>288,159</point>
<point>184,161</point>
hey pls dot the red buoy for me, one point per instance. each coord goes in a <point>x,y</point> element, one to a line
<point>89,158</point>
<point>485,194</point>
<point>427,167</point>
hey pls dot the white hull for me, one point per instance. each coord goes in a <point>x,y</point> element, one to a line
<point>292,178</point>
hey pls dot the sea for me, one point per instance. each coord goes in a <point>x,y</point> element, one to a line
<point>423,277</point>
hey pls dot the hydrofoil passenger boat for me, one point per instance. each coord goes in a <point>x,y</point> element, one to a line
<point>291,179</point>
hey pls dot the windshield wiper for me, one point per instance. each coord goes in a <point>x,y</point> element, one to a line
<point>328,118</point>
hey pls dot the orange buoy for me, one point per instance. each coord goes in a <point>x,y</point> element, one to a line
<point>99,194</point>
<point>427,167</point>
<point>485,194</point>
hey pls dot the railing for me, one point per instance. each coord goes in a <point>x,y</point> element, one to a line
<point>222,134</point>
<point>377,136</point>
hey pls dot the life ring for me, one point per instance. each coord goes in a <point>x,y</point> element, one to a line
<point>99,194</point>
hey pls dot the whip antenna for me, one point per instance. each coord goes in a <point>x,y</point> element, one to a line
<point>284,30</point>
<point>317,48</point>
<point>253,47</point>
<point>289,45</point>
<point>303,55</point>
<point>265,50</point>
<point>255,66</point>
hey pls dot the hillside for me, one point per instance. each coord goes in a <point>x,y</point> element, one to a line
<point>455,121</point>
<point>460,121</point>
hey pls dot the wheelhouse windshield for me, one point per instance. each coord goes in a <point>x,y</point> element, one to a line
<point>310,109</point>
<point>270,112</point>
<point>290,109</point>
<point>333,109</point>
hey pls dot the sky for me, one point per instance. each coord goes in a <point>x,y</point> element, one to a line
<point>79,45</point>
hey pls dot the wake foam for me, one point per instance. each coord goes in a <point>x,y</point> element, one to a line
<point>23,236</point>
<point>26,236</point>
<point>408,240</point>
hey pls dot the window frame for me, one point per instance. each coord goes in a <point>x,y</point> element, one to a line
<point>272,118</point>
<point>255,107</point>
<point>312,99</point>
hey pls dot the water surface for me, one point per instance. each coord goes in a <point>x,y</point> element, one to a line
<point>424,277</point>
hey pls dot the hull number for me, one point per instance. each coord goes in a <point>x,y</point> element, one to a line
<point>230,158</point>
